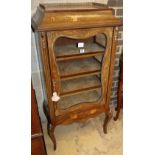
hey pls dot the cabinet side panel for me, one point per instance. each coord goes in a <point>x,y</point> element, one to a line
<point>111,69</point>
<point>44,71</point>
<point>40,67</point>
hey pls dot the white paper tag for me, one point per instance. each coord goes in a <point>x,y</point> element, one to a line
<point>80,44</point>
<point>55,97</point>
<point>82,50</point>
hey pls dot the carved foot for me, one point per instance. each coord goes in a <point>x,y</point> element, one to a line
<point>118,108</point>
<point>117,114</point>
<point>51,129</point>
<point>106,121</point>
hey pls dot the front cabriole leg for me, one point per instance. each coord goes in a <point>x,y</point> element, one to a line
<point>108,116</point>
<point>50,127</point>
<point>50,130</point>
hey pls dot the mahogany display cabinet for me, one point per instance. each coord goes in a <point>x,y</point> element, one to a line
<point>76,46</point>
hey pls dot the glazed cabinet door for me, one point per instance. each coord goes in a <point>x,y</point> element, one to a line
<point>79,65</point>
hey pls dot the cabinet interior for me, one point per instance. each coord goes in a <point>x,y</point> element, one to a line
<point>80,73</point>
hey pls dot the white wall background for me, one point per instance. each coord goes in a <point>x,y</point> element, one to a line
<point>35,72</point>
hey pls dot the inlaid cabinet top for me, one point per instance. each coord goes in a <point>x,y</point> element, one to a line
<point>73,15</point>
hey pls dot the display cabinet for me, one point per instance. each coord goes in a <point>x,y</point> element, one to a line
<point>76,46</point>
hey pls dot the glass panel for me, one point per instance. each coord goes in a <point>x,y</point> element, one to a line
<point>79,62</point>
<point>66,46</point>
<point>86,97</point>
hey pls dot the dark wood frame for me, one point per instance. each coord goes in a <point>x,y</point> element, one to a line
<point>37,138</point>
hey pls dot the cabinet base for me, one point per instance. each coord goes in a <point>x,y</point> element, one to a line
<point>51,128</point>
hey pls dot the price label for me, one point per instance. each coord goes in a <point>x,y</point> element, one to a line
<point>80,44</point>
<point>82,50</point>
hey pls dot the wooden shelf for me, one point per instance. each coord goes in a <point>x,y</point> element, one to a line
<point>78,85</point>
<point>78,56</point>
<point>79,68</point>
<point>71,52</point>
<point>83,97</point>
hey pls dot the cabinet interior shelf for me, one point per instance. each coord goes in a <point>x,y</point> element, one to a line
<point>78,56</point>
<point>71,52</point>
<point>87,97</point>
<point>80,85</point>
<point>79,68</point>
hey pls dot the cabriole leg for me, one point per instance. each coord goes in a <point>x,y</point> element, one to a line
<point>106,121</point>
<point>50,130</point>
